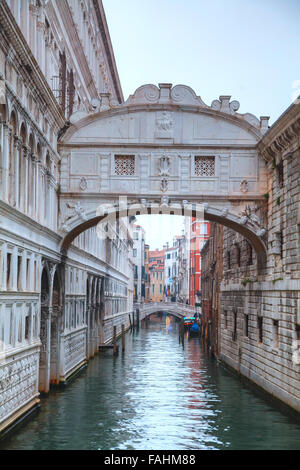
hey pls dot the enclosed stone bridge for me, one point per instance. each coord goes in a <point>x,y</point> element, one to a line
<point>164,150</point>
<point>176,309</point>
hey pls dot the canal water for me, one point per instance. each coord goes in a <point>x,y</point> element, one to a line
<point>157,395</point>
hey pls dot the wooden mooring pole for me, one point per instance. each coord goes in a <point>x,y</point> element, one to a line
<point>130,321</point>
<point>123,338</point>
<point>115,347</point>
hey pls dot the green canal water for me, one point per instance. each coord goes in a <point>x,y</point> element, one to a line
<point>156,395</point>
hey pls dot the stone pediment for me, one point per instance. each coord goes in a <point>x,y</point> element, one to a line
<point>155,115</point>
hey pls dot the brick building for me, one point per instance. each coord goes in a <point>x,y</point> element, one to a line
<point>212,271</point>
<point>156,275</point>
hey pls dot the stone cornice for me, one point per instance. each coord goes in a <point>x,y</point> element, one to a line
<point>108,48</point>
<point>129,108</point>
<point>10,212</point>
<point>34,73</point>
<point>283,135</point>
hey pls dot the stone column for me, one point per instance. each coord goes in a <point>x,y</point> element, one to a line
<point>26,153</point>
<point>6,133</point>
<point>37,189</point>
<point>17,147</point>
<point>33,185</point>
<point>3,266</point>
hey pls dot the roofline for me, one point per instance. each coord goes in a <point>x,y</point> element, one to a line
<point>104,31</point>
<point>284,119</point>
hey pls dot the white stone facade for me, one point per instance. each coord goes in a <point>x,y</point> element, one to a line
<point>55,310</point>
<point>140,277</point>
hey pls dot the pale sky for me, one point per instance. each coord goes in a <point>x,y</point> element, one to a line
<point>160,228</point>
<point>249,49</point>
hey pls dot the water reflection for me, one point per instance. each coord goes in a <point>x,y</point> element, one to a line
<point>156,395</point>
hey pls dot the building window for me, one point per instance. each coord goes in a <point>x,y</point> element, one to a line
<point>238,256</point>
<point>280,174</point>
<point>203,229</point>
<point>260,328</point>
<point>276,333</point>
<point>249,254</point>
<point>134,252</point>
<point>8,270</point>
<point>228,259</point>
<point>19,272</point>
<point>125,165</point>
<point>153,286</point>
<point>160,288</point>
<point>246,324</point>
<point>234,329</point>
<point>135,236</point>
<point>27,327</point>
<point>205,166</point>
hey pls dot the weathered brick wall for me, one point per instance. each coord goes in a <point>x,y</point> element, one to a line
<point>259,316</point>
<point>211,277</point>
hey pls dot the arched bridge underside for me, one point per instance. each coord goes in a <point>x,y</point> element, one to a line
<point>165,151</point>
<point>242,224</point>
<point>171,308</point>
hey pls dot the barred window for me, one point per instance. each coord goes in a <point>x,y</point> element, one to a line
<point>205,166</point>
<point>125,165</point>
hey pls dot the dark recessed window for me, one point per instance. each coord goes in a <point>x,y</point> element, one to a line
<point>260,328</point>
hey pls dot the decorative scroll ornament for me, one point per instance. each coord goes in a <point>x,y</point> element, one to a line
<point>224,105</point>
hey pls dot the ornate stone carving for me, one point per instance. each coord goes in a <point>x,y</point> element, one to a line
<point>164,184</point>
<point>164,166</point>
<point>185,94</point>
<point>249,216</point>
<point>164,201</point>
<point>244,186</point>
<point>164,122</point>
<point>223,104</point>
<point>83,184</point>
<point>18,383</point>
<point>77,210</point>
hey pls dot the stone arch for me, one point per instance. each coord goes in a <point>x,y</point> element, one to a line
<point>23,132</point>
<point>13,120</point>
<point>249,229</point>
